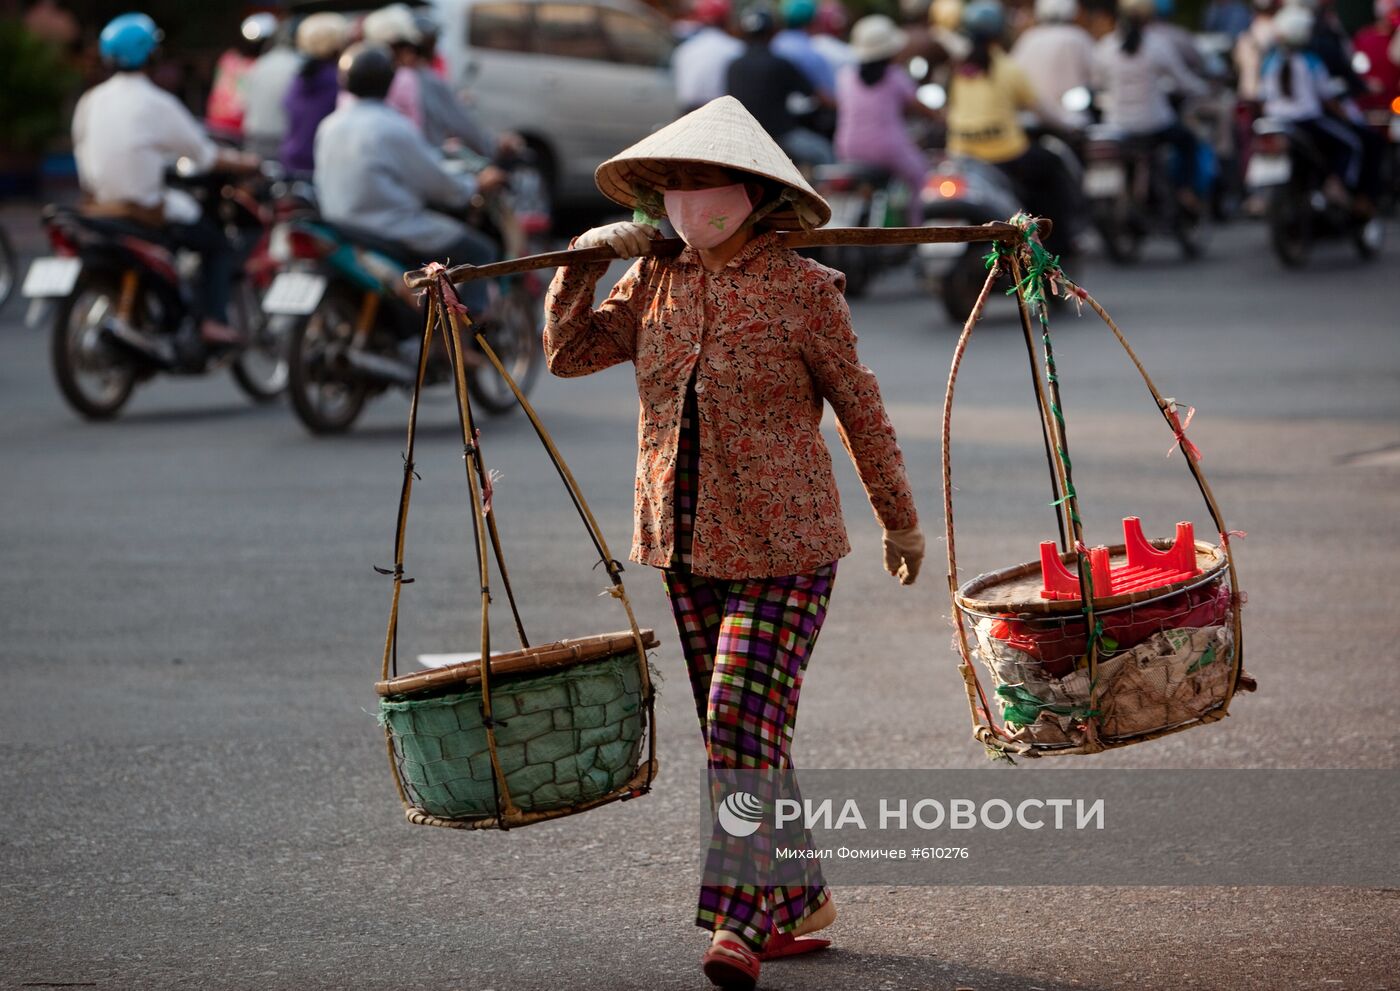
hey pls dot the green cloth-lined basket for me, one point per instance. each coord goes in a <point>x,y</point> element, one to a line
<point>568,718</point>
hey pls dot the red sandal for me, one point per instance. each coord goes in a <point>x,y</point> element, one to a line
<point>731,965</point>
<point>782,945</point>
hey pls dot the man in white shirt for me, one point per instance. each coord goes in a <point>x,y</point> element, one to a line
<point>699,62</point>
<point>264,88</point>
<point>126,131</point>
<point>379,174</point>
<point>1057,55</point>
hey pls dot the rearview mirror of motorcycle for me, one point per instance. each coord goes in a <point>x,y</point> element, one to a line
<point>1360,64</point>
<point>1077,99</point>
<point>932,96</point>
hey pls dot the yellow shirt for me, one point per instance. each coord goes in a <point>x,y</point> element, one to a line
<point>982,112</point>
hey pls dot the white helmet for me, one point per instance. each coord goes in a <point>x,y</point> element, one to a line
<point>1294,25</point>
<point>392,25</point>
<point>1052,11</point>
<point>322,35</point>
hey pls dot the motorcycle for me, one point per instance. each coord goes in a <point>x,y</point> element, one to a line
<point>1132,193</point>
<point>119,299</point>
<point>961,191</point>
<point>354,329</point>
<point>1386,124</point>
<point>1131,187</point>
<point>862,196</point>
<point>1292,172</point>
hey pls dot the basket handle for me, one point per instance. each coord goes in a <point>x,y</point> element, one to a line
<point>456,315</point>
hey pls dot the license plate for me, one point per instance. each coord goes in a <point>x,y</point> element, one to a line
<point>1395,129</point>
<point>295,294</point>
<point>1267,170</point>
<point>938,250</point>
<point>1103,181</point>
<point>845,210</point>
<point>51,277</point>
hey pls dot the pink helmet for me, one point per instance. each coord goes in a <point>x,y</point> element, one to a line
<point>711,11</point>
<point>832,18</point>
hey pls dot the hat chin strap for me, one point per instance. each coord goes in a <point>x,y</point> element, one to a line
<point>806,217</point>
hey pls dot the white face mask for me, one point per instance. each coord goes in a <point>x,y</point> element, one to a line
<point>705,218</point>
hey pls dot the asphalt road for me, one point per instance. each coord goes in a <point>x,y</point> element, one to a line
<point>193,790</point>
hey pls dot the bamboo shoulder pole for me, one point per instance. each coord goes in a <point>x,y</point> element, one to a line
<point>672,246</point>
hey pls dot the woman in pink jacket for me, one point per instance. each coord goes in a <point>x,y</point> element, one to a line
<point>737,342</point>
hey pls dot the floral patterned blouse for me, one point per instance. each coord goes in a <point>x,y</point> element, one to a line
<point>767,339</point>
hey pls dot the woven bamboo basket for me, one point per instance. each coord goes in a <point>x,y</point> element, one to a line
<point>517,737</point>
<point>569,728</point>
<point>1083,673</point>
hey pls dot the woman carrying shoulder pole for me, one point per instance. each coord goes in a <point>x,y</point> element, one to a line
<point>737,343</point>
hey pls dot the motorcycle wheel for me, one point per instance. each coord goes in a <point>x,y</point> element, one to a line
<point>9,268</point>
<point>1289,233</point>
<point>1191,235</point>
<point>1122,241</point>
<point>95,378</point>
<point>514,335</point>
<point>961,287</point>
<point>327,396</point>
<point>856,264</point>
<point>261,368</point>
<point>1368,238</point>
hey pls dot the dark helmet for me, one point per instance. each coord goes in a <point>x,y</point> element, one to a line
<point>427,26</point>
<point>428,30</point>
<point>367,71</point>
<point>758,22</point>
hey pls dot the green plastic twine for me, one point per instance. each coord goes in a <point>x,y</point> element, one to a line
<point>1043,270</point>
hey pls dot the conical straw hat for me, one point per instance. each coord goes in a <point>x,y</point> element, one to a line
<point>721,133</point>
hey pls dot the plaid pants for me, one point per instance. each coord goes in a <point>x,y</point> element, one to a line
<point>746,644</point>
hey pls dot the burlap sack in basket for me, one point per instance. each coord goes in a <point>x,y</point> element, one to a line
<point>1173,677</point>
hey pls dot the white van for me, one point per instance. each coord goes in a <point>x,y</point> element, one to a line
<point>579,80</point>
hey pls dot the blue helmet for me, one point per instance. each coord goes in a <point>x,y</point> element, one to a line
<point>128,41</point>
<point>799,13</point>
<point>984,19</point>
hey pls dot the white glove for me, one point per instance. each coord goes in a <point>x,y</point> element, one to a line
<point>904,553</point>
<point>627,240</point>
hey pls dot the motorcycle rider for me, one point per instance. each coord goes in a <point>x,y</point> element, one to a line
<point>375,172</point>
<point>265,87</point>
<point>1296,87</point>
<point>1057,55</point>
<point>872,99</point>
<point>763,82</point>
<point>794,43</point>
<point>699,63</point>
<point>1137,69</point>
<point>985,95</point>
<point>126,132</point>
<point>1251,47</point>
<point>445,117</point>
<point>1230,18</point>
<point>1331,43</point>
<point>313,93</point>
<point>1373,41</point>
<point>394,28</point>
<point>225,107</point>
